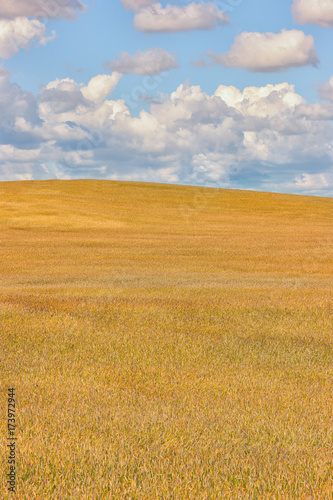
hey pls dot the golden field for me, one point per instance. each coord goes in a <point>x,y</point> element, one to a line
<point>166,342</point>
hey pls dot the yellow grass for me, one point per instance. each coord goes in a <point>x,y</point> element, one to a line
<point>166,342</point>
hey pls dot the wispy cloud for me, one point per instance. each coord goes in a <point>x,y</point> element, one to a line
<point>10,9</point>
<point>326,91</point>
<point>148,62</point>
<point>136,4</point>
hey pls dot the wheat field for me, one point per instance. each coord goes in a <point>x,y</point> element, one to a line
<point>166,342</point>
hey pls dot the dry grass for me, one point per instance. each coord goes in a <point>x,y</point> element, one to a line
<point>167,342</point>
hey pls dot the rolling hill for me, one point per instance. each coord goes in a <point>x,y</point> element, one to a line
<point>166,342</point>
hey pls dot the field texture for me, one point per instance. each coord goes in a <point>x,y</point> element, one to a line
<point>166,342</point>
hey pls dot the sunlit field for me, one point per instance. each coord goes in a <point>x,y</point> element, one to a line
<point>166,342</point>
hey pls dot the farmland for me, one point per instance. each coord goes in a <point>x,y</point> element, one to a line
<point>166,342</point>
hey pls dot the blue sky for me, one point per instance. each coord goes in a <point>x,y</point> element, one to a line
<point>228,93</point>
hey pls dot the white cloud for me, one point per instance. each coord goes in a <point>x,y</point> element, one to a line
<point>20,33</point>
<point>100,87</point>
<point>61,96</point>
<point>326,91</point>
<point>14,102</point>
<point>65,96</point>
<point>149,62</point>
<point>155,18</point>
<point>262,102</point>
<point>71,110</point>
<point>168,174</point>
<point>314,11</point>
<point>269,52</point>
<point>136,4</point>
<point>65,84</point>
<point>46,39</point>
<point>314,181</point>
<point>212,167</point>
<point>317,111</point>
<point>10,9</point>
<point>9,153</point>
<point>259,138</point>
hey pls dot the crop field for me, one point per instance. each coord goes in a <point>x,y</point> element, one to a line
<point>166,342</point>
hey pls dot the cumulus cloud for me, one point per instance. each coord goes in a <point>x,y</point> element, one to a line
<point>100,87</point>
<point>317,111</point>
<point>314,11</point>
<point>155,18</point>
<point>199,138</point>
<point>15,102</point>
<point>148,62</point>
<point>20,33</point>
<point>136,4</point>
<point>269,52</point>
<point>61,96</point>
<point>261,137</point>
<point>71,105</point>
<point>10,9</point>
